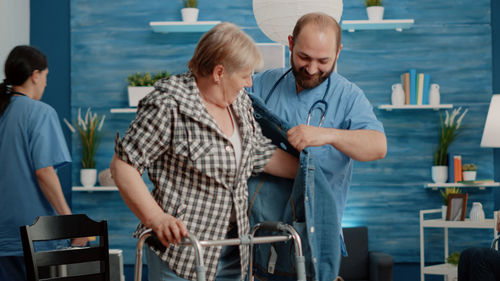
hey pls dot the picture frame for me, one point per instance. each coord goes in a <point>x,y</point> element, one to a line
<point>457,205</point>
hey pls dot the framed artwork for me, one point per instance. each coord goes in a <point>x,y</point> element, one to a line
<point>457,204</point>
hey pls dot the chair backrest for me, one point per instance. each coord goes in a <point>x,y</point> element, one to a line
<point>355,265</point>
<point>46,228</point>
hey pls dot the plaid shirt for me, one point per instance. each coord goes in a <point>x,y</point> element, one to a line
<point>193,166</point>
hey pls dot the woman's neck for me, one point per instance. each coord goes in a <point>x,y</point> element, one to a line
<point>211,94</point>
<point>23,90</point>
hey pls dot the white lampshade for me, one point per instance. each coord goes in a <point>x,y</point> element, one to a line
<point>276,18</point>
<point>491,133</point>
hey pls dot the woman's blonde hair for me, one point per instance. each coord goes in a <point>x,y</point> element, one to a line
<point>227,45</point>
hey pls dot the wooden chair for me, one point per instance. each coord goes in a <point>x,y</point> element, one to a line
<point>47,228</point>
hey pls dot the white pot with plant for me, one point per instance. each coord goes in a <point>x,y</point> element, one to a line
<point>448,132</point>
<point>89,129</point>
<point>141,84</point>
<point>374,10</point>
<point>190,11</point>
<point>444,195</point>
<point>469,172</point>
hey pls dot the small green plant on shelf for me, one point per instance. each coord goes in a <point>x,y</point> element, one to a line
<point>371,3</point>
<point>469,167</point>
<point>447,191</point>
<point>146,79</point>
<point>447,134</point>
<point>190,3</point>
<point>453,258</point>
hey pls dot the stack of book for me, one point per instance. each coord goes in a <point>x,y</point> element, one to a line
<point>416,87</point>
<point>454,168</point>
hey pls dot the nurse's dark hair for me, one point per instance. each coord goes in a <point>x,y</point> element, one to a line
<point>321,20</point>
<point>19,66</point>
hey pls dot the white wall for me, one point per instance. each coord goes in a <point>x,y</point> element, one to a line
<point>14,27</point>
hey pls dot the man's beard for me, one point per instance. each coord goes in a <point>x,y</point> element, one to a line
<point>306,81</point>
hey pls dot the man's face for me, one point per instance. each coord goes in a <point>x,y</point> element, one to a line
<point>313,56</point>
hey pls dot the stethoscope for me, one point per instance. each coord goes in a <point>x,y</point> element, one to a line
<point>315,105</point>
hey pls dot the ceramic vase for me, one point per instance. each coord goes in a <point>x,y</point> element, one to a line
<point>189,14</point>
<point>398,95</point>
<point>88,177</point>
<point>439,174</point>
<point>444,209</point>
<point>476,213</point>
<point>434,95</point>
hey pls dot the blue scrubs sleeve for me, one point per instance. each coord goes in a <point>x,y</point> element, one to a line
<point>360,116</point>
<point>47,144</point>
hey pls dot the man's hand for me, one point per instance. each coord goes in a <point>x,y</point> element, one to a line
<point>168,229</point>
<point>302,136</point>
<point>80,241</point>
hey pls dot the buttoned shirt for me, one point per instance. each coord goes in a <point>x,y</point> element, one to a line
<point>192,166</point>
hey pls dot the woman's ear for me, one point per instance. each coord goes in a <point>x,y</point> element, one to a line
<point>218,73</point>
<point>35,76</point>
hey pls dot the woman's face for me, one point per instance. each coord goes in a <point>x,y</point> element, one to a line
<point>235,82</point>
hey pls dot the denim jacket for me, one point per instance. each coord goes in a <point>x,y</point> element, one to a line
<point>306,203</point>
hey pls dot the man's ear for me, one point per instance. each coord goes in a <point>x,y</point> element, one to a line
<point>338,52</point>
<point>290,43</point>
<point>218,73</point>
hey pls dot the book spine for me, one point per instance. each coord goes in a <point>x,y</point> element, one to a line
<point>413,86</point>
<point>406,87</point>
<point>451,167</point>
<point>458,167</point>
<point>420,87</point>
<point>427,85</point>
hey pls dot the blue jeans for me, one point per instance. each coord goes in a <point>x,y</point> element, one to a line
<point>479,264</point>
<point>12,268</point>
<point>228,268</point>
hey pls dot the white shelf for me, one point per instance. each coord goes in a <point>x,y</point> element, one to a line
<point>180,26</point>
<point>124,110</point>
<point>390,107</point>
<point>440,223</point>
<point>398,25</point>
<point>480,185</point>
<point>94,188</point>
<point>441,269</point>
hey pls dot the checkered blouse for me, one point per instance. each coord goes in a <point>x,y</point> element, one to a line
<point>193,166</point>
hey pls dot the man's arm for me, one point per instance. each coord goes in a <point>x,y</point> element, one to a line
<point>136,195</point>
<point>360,145</point>
<point>51,188</point>
<point>282,164</point>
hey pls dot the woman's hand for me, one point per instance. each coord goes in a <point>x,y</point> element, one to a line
<point>168,229</point>
<point>80,241</point>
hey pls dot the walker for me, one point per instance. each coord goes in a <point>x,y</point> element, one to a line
<point>249,239</point>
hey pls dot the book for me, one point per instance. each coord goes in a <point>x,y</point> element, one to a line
<point>420,88</point>
<point>405,80</point>
<point>426,88</point>
<point>451,167</point>
<point>458,167</point>
<point>413,86</point>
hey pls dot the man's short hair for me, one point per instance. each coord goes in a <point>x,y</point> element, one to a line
<point>321,20</point>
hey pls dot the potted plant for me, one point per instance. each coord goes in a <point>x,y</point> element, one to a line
<point>190,11</point>
<point>141,84</point>
<point>374,10</point>
<point>448,132</point>
<point>444,195</point>
<point>469,172</point>
<point>89,129</point>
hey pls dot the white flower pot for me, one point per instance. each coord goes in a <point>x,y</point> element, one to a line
<point>375,13</point>
<point>439,174</point>
<point>444,209</point>
<point>189,14</point>
<point>135,94</point>
<point>469,175</point>
<point>88,177</point>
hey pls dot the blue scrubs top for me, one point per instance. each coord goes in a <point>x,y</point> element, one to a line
<point>30,139</point>
<point>348,108</point>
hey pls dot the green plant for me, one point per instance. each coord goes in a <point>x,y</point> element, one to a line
<point>190,3</point>
<point>449,131</point>
<point>370,3</point>
<point>469,167</point>
<point>453,258</point>
<point>448,191</point>
<point>146,79</point>
<point>89,129</point>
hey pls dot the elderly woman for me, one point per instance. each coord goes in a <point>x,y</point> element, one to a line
<point>197,137</point>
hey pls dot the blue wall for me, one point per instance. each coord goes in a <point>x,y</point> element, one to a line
<point>111,40</point>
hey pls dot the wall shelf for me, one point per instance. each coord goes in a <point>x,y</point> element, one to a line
<point>180,26</point>
<point>390,107</point>
<point>398,25</point>
<point>480,185</point>
<point>124,110</point>
<point>94,188</point>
